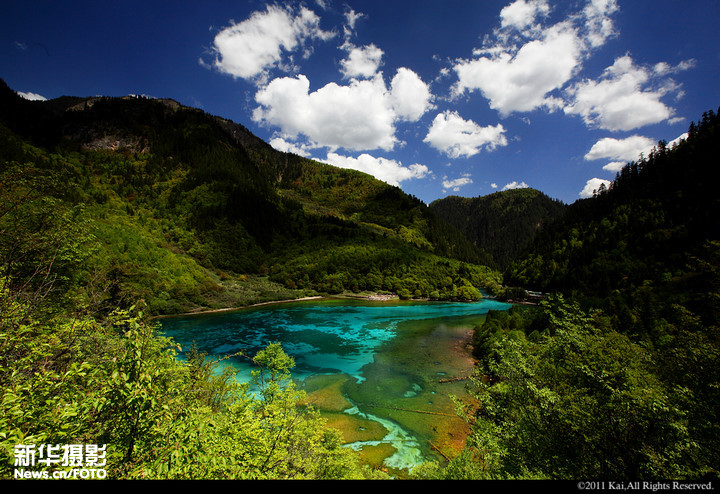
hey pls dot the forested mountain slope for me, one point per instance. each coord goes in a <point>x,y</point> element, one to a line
<point>614,376</point>
<point>106,202</point>
<point>648,235</point>
<point>502,223</point>
<point>185,210</point>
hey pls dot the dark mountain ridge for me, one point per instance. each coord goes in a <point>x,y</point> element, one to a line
<point>201,191</point>
<point>656,213</point>
<point>125,199</point>
<point>501,224</point>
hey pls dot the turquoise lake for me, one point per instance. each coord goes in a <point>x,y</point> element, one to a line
<point>378,370</point>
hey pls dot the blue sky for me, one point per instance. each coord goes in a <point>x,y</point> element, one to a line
<point>439,97</point>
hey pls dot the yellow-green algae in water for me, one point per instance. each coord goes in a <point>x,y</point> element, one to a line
<point>407,388</point>
<point>374,370</point>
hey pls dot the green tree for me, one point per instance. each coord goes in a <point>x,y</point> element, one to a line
<point>582,402</point>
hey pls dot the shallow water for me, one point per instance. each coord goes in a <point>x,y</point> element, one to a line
<point>375,369</point>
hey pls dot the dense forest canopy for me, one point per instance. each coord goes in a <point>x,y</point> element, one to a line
<point>116,209</point>
<point>615,375</point>
<point>188,210</point>
<point>113,210</point>
<point>502,223</point>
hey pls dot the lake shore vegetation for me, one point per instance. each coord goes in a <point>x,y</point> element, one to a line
<point>115,210</point>
<point>613,376</point>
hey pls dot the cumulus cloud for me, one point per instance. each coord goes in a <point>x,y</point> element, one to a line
<point>620,99</point>
<point>678,140</point>
<point>358,116</point>
<point>520,82</point>
<point>596,21</point>
<point>351,18</point>
<point>457,137</point>
<point>515,185</point>
<point>592,186</point>
<point>248,48</point>
<point>521,13</point>
<point>627,149</point>
<point>615,166</point>
<point>456,183</point>
<point>355,117</point>
<point>664,68</point>
<point>289,147</point>
<point>387,170</point>
<point>410,96</point>
<point>32,96</point>
<point>363,61</point>
<point>526,62</point>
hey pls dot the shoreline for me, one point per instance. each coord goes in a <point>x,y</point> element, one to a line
<point>373,297</point>
<point>227,309</point>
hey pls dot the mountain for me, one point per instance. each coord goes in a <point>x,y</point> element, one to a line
<point>501,224</point>
<point>623,350</point>
<point>643,244</point>
<point>188,210</point>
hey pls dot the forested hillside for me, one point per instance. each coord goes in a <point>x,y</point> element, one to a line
<point>113,210</point>
<point>646,236</point>
<point>186,210</point>
<point>615,375</point>
<point>501,224</point>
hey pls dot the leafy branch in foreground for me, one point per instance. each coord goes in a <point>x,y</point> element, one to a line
<point>579,400</point>
<point>81,382</point>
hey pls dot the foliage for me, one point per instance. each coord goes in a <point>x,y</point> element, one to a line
<point>106,202</point>
<point>580,401</point>
<point>69,381</point>
<point>618,377</point>
<point>501,224</point>
<point>88,231</point>
<point>183,208</point>
<point>642,231</point>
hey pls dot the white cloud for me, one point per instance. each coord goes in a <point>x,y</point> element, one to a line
<point>361,61</point>
<point>620,100</point>
<point>358,116</point>
<point>456,183</point>
<point>355,117</point>
<point>677,140</point>
<point>289,147</point>
<point>351,18</point>
<point>389,171</point>
<point>664,68</point>
<point>457,137</point>
<point>627,149</point>
<point>515,185</point>
<point>410,96</point>
<point>520,82</point>
<point>615,166</point>
<point>521,13</point>
<point>596,21</point>
<point>248,48</point>
<point>526,62</point>
<point>32,96</point>
<point>592,186</point>
<point>494,185</point>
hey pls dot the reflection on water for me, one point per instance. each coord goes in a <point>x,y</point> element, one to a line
<point>384,363</point>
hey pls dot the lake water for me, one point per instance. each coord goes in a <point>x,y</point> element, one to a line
<point>380,372</point>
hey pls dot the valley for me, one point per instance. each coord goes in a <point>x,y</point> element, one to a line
<point>117,214</point>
